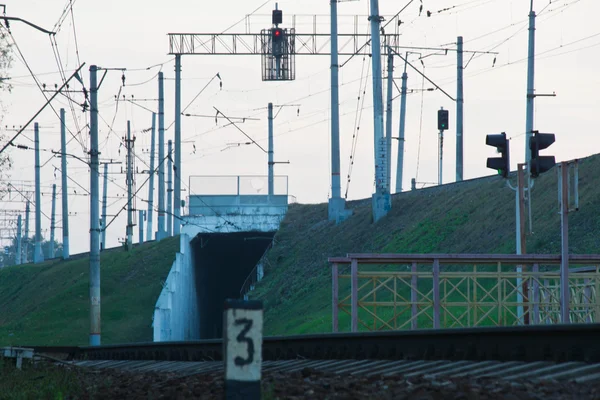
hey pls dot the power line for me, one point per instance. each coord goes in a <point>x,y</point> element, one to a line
<point>36,80</point>
<point>239,129</point>
<point>420,126</point>
<point>357,120</point>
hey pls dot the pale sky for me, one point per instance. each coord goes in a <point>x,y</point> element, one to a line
<point>132,34</point>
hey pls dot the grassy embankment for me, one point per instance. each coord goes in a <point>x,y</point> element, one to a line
<point>470,217</point>
<point>48,304</point>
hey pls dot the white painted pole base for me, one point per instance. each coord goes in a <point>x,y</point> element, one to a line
<point>242,349</point>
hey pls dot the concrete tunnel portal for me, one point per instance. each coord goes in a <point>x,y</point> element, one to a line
<point>221,263</point>
<point>231,222</point>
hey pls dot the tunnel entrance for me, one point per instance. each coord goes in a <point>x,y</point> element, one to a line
<point>222,262</point>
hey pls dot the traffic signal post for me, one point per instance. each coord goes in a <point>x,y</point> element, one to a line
<point>522,298</point>
<point>442,126</point>
<point>537,165</point>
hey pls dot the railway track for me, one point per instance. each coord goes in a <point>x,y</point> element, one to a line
<point>555,343</point>
<point>577,372</point>
<point>550,362</point>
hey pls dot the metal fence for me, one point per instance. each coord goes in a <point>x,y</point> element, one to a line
<point>236,185</point>
<point>388,292</point>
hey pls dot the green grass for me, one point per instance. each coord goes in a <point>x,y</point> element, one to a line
<point>36,382</point>
<point>475,216</point>
<point>48,303</point>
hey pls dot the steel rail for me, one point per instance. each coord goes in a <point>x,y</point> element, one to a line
<point>556,343</point>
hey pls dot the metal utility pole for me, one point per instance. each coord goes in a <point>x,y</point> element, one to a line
<point>170,189</point>
<point>336,203</point>
<point>530,83</point>
<point>459,110</point>
<point>18,255</point>
<point>388,121</point>
<point>64,187</point>
<point>150,211</point>
<point>104,193</point>
<point>161,158</point>
<point>130,178</point>
<point>400,166</point>
<point>26,249</point>
<point>177,198</point>
<point>141,225</point>
<point>381,198</point>
<point>564,242</point>
<point>95,315</point>
<point>52,224</point>
<point>38,256</point>
<point>522,313</point>
<point>271,162</point>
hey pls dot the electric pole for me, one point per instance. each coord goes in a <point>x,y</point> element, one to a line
<point>150,211</point>
<point>161,158</point>
<point>130,180</point>
<point>64,188</point>
<point>19,251</point>
<point>337,204</point>
<point>400,165</point>
<point>459,110</point>
<point>177,169</point>
<point>388,121</point>
<point>38,256</point>
<point>26,249</point>
<point>530,83</point>
<point>141,225</point>
<point>169,189</point>
<point>104,193</point>
<point>95,315</point>
<point>381,198</point>
<point>271,177</point>
<point>52,224</point>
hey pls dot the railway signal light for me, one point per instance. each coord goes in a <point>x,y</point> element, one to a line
<point>277,35</point>
<point>540,164</point>
<point>502,163</point>
<point>443,120</point>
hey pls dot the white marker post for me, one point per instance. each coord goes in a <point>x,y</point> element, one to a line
<point>242,349</point>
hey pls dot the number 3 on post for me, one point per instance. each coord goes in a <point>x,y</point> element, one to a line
<point>242,349</point>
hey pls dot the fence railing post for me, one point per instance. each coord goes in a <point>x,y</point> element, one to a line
<point>436,294</point>
<point>548,301</point>
<point>354,297</point>
<point>536,295</point>
<point>414,310</point>
<point>474,302</point>
<point>334,297</point>
<point>587,300</point>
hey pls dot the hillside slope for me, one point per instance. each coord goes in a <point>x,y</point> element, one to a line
<point>48,304</point>
<point>476,216</point>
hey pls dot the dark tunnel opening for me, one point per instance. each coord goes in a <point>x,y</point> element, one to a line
<point>222,262</point>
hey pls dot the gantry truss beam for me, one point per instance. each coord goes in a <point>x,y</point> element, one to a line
<point>253,43</point>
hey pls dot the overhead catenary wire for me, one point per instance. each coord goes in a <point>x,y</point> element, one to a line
<point>357,120</point>
<point>48,100</point>
<point>420,126</point>
<point>54,46</point>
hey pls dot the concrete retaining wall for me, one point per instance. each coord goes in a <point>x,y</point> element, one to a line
<point>176,311</point>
